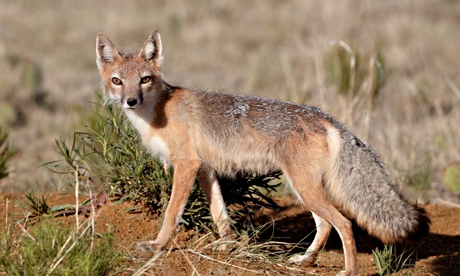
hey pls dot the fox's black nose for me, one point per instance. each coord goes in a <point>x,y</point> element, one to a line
<point>131,102</point>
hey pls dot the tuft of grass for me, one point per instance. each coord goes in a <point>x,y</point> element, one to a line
<point>109,155</point>
<point>36,205</point>
<point>347,69</point>
<point>388,262</point>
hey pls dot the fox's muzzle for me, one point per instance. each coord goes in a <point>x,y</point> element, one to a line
<point>132,102</point>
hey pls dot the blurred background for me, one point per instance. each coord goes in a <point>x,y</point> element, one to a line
<point>388,69</point>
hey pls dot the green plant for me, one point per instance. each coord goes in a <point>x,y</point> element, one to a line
<point>110,156</point>
<point>451,178</point>
<point>6,152</point>
<point>249,192</point>
<point>388,262</point>
<point>52,249</point>
<point>347,69</point>
<point>37,208</point>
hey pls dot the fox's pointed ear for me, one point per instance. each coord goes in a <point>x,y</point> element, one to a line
<point>106,51</point>
<point>152,51</point>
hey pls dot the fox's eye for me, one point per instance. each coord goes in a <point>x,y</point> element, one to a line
<point>116,81</point>
<point>146,79</point>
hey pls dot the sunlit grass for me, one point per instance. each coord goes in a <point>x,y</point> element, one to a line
<point>48,247</point>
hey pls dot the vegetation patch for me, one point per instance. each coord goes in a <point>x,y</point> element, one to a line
<point>53,249</point>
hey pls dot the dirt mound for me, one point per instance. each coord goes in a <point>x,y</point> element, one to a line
<point>189,252</point>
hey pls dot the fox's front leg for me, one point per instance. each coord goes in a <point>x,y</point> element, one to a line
<point>210,185</point>
<point>184,178</point>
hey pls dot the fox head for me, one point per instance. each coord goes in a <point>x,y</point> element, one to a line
<point>130,78</point>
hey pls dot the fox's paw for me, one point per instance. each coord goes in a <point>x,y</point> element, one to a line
<point>147,246</point>
<point>305,260</point>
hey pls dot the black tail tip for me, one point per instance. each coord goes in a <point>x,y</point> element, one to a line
<point>423,225</point>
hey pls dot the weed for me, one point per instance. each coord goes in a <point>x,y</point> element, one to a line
<point>388,262</point>
<point>36,206</point>
<point>346,68</point>
<point>6,152</point>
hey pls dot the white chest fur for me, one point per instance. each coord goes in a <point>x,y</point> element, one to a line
<point>158,147</point>
<point>154,143</point>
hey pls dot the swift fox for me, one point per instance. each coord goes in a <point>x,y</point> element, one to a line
<point>205,134</point>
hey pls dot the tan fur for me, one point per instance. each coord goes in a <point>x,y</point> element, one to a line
<point>203,134</point>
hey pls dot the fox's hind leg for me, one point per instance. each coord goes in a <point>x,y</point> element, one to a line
<point>323,229</point>
<point>210,185</point>
<point>306,181</point>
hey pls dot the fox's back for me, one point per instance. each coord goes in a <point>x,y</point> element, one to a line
<point>237,132</point>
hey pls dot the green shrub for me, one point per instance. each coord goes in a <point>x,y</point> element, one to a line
<point>109,155</point>
<point>451,178</point>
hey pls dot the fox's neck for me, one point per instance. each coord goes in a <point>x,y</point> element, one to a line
<point>152,112</point>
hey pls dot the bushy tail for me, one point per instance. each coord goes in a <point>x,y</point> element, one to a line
<point>361,189</point>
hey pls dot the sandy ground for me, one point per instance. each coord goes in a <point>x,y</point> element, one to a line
<point>437,254</point>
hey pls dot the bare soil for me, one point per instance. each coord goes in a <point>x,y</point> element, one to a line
<point>189,253</point>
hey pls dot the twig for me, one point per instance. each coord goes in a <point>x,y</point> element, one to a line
<point>274,243</point>
<point>290,268</point>
<point>61,255</point>
<point>6,214</point>
<point>186,258</point>
<point>148,264</point>
<point>26,232</point>
<point>351,84</point>
<point>446,203</point>
<point>201,240</point>
<point>453,87</point>
<point>373,65</point>
<point>221,262</point>
<point>77,183</point>
<point>93,214</point>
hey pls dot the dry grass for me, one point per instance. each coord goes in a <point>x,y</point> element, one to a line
<point>271,48</point>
